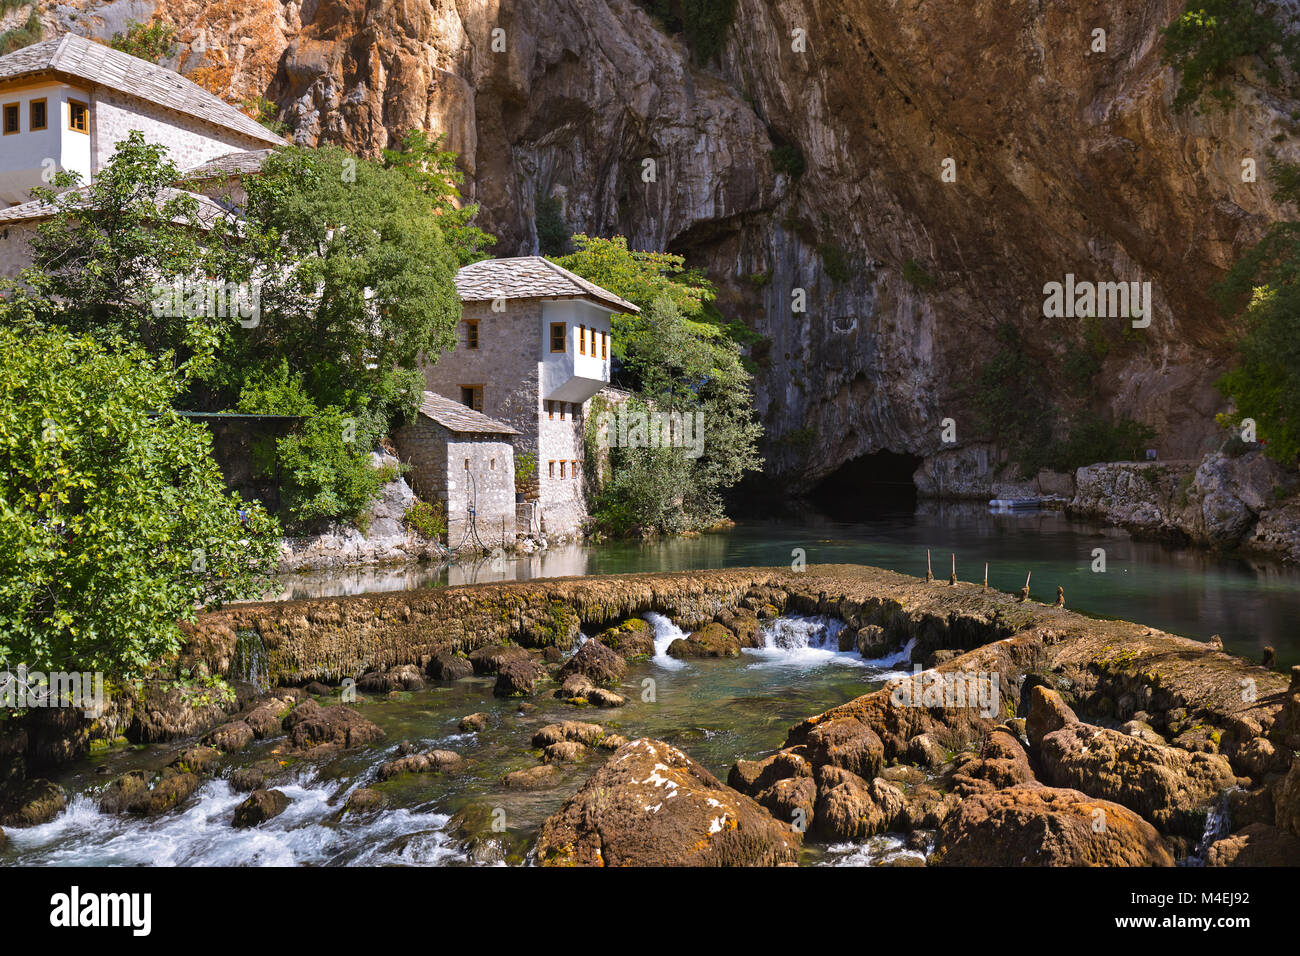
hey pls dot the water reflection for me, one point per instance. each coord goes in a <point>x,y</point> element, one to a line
<point>1187,591</point>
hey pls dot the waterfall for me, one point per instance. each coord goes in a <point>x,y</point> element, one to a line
<point>249,663</point>
<point>1217,820</point>
<point>665,632</point>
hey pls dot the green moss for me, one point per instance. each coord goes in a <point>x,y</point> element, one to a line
<point>917,276</point>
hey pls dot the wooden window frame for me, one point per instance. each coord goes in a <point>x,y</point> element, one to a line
<point>479,389</point>
<point>31,118</point>
<point>564,338</point>
<point>471,334</point>
<point>550,469</point>
<point>563,462</point>
<point>86,111</point>
<point>582,340</point>
<point>550,408</point>
<point>18,118</point>
<point>604,345</point>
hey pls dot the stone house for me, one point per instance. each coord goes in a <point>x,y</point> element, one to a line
<point>66,103</point>
<point>532,349</point>
<point>464,460</point>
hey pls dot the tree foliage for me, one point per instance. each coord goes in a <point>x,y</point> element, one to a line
<point>1210,35</point>
<point>154,41</point>
<point>114,520</point>
<point>432,169</point>
<point>1262,291</point>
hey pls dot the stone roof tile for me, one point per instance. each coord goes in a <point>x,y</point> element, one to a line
<point>459,418</point>
<point>74,56</point>
<point>530,277</point>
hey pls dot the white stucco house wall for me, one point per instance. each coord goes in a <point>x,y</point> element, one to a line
<point>65,104</point>
<point>533,348</point>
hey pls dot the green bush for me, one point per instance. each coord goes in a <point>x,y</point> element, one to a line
<point>1210,35</point>
<point>326,468</point>
<point>917,276</point>
<point>426,519</point>
<point>788,158</point>
<point>19,37</point>
<point>552,234</point>
<point>154,42</point>
<point>703,23</point>
<point>115,522</point>
<point>835,261</point>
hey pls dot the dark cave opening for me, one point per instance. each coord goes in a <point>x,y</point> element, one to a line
<point>875,484</point>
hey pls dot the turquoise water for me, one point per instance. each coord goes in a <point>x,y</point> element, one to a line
<point>1250,604</point>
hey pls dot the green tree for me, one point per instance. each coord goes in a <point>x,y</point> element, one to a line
<point>1262,291</point>
<point>433,170</point>
<point>154,42</point>
<point>99,261</point>
<point>1210,35</point>
<point>114,520</point>
<point>667,490</point>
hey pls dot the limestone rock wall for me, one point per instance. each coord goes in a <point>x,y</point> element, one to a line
<point>1066,160</point>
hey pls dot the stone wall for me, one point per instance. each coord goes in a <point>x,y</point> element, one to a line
<point>461,472</point>
<point>507,365</point>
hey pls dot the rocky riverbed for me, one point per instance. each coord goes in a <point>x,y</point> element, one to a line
<point>436,727</point>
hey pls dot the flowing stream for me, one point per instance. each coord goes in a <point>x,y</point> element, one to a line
<point>718,711</point>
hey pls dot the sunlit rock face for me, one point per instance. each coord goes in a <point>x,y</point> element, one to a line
<point>1067,159</point>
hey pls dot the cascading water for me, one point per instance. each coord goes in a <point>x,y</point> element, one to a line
<point>249,662</point>
<point>665,632</point>
<point>1217,821</point>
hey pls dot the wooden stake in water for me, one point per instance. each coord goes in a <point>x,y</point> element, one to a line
<point>952,578</point>
<point>1060,597</point>
<point>929,574</point>
<point>986,575</point>
<point>1024,592</point>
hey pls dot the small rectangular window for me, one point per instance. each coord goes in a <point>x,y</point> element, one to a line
<point>582,339</point>
<point>550,469</point>
<point>467,464</point>
<point>550,409</point>
<point>78,116</point>
<point>37,118</point>
<point>11,118</point>
<point>563,406</point>
<point>493,464</point>
<point>604,345</point>
<point>574,469</point>
<point>471,333</point>
<point>471,396</point>
<point>557,336</point>
<point>562,464</point>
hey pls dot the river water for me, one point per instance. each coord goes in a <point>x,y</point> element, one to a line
<point>1250,604</point>
<point>717,711</point>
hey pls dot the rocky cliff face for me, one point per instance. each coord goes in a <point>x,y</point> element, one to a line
<point>1066,160</point>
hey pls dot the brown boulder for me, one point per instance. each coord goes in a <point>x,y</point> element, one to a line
<point>575,730</point>
<point>632,640</point>
<point>849,808</point>
<point>754,776</point>
<point>534,778</point>
<point>1033,825</point>
<point>31,802</point>
<point>260,806</point>
<point>712,640</point>
<point>472,723</point>
<point>564,751</point>
<point>517,677</point>
<point>651,805</point>
<point>311,726</point>
<point>364,800</point>
<point>848,743</point>
<point>1255,845</point>
<point>402,677</point>
<point>449,666</point>
<point>490,659</point>
<point>230,737</point>
<point>1168,786</point>
<point>594,661</point>
<point>431,761</point>
<point>1047,713</point>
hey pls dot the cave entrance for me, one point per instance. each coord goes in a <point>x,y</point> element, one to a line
<point>869,485</point>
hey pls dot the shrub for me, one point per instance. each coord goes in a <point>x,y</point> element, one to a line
<point>427,519</point>
<point>1210,35</point>
<point>788,158</point>
<point>917,277</point>
<point>154,42</point>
